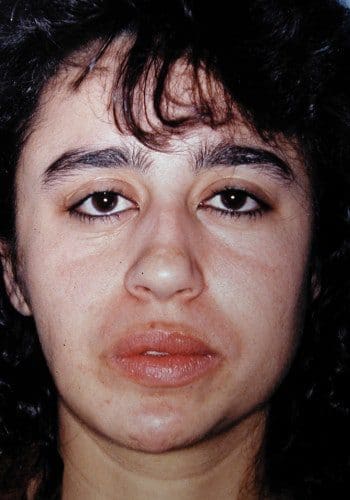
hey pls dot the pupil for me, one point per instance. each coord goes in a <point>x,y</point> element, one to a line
<point>233,199</point>
<point>105,201</point>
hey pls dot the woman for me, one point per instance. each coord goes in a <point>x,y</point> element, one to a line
<point>175,240</point>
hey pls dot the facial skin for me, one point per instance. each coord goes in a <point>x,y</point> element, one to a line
<point>172,258</point>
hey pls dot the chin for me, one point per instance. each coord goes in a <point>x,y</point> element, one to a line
<point>159,434</point>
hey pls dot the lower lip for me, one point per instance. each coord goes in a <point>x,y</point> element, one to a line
<point>170,370</point>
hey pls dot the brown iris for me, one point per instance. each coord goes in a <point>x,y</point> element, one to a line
<point>233,199</point>
<point>105,201</point>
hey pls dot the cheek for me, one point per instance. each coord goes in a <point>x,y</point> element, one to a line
<point>264,269</point>
<point>259,284</point>
<point>69,291</point>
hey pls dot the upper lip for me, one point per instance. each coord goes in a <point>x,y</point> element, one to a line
<point>177,340</point>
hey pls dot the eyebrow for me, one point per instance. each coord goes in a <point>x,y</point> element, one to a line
<point>233,155</point>
<point>79,159</point>
<point>222,154</point>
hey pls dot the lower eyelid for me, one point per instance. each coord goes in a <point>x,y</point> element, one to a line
<point>260,211</point>
<point>91,218</point>
<point>96,219</point>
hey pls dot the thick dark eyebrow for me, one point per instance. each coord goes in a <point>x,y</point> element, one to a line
<point>227,154</point>
<point>77,159</point>
<point>223,154</point>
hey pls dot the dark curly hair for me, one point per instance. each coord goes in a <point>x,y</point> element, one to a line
<point>285,64</point>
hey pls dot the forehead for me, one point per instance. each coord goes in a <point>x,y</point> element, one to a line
<point>69,118</point>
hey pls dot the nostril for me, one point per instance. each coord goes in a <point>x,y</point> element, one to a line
<point>142,288</point>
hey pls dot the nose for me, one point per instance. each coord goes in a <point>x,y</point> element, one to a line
<point>164,273</point>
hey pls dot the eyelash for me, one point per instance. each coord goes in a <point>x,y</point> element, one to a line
<point>233,214</point>
<point>73,212</point>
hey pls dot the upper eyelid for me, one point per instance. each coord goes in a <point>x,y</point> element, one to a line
<point>248,192</point>
<point>85,198</point>
<point>229,188</point>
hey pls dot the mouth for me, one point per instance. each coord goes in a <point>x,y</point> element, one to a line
<point>159,358</point>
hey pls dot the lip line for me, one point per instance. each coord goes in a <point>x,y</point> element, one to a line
<point>172,341</point>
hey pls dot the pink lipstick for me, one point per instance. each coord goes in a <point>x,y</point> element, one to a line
<point>163,359</point>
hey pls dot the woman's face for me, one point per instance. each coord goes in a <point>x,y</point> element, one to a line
<point>167,286</point>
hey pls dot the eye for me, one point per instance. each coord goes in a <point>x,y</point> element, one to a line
<point>235,203</point>
<point>102,204</point>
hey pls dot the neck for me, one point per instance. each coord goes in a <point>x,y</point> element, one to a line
<point>222,466</point>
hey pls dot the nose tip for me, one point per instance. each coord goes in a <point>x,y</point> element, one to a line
<point>163,274</point>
